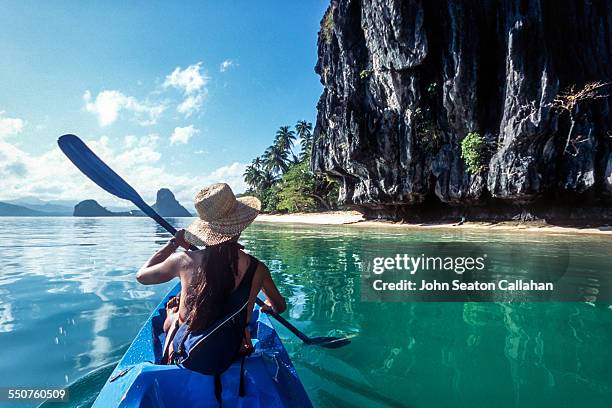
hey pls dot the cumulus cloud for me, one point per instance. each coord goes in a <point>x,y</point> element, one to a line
<point>137,159</point>
<point>10,126</point>
<point>191,104</point>
<point>109,103</point>
<point>190,80</point>
<point>183,134</point>
<point>227,64</point>
<point>192,83</point>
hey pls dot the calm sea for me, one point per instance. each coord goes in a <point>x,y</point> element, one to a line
<point>69,307</point>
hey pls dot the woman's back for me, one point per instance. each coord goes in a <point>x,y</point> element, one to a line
<point>215,331</point>
<point>222,276</point>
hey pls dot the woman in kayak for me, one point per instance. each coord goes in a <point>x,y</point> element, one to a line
<point>206,323</point>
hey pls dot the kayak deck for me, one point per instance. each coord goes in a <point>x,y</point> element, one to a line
<point>139,381</point>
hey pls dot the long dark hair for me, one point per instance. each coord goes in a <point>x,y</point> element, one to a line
<point>212,283</point>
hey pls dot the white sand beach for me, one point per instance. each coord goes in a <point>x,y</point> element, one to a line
<point>354,218</point>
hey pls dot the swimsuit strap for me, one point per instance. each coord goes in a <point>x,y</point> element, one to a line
<point>247,279</point>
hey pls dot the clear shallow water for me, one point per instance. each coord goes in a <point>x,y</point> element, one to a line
<point>69,304</point>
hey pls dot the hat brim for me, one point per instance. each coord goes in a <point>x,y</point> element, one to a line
<point>224,229</point>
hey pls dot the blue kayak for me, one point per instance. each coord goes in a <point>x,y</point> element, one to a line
<point>140,381</point>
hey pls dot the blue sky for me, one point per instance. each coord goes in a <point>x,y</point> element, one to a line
<point>173,94</point>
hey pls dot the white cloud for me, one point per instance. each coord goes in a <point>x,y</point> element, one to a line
<point>189,80</point>
<point>10,126</point>
<point>109,103</point>
<point>183,134</point>
<point>191,104</point>
<point>52,176</point>
<point>227,64</point>
<point>192,83</point>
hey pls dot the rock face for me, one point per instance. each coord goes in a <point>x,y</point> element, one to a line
<point>91,208</point>
<point>166,205</point>
<point>406,80</point>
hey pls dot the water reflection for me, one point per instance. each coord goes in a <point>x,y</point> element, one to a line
<point>6,317</point>
<point>442,354</point>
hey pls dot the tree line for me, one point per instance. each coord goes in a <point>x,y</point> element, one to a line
<point>283,181</point>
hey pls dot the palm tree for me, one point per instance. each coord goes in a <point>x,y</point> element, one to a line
<point>304,132</point>
<point>253,176</point>
<point>294,160</point>
<point>258,162</point>
<point>284,138</point>
<point>303,129</point>
<point>275,159</point>
<point>268,179</point>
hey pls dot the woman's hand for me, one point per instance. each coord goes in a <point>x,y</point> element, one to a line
<point>180,239</point>
<point>267,307</point>
<point>247,345</point>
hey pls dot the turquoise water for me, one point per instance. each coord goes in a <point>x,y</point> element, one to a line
<point>69,305</point>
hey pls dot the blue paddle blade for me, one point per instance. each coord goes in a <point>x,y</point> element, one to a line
<point>99,172</point>
<point>94,168</point>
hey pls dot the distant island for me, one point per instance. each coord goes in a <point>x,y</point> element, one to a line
<point>13,210</point>
<point>91,208</point>
<point>165,204</point>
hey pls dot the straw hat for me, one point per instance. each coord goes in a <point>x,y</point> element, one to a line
<point>222,215</point>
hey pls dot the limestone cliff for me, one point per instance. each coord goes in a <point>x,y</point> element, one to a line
<point>406,80</point>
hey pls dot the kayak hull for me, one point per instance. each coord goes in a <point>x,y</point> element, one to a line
<point>139,380</point>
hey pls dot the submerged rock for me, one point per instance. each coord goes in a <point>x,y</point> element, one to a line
<point>406,81</point>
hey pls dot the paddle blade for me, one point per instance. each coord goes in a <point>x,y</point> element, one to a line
<point>99,172</point>
<point>94,168</point>
<point>329,342</point>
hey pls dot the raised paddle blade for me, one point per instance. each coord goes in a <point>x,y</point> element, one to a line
<point>329,342</point>
<point>99,172</point>
<point>94,168</point>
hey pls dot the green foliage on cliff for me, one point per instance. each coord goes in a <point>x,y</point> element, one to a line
<point>283,181</point>
<point>472,151</point>
<point>365,73</point>
<point>328,26</point>
<point>429,136</point>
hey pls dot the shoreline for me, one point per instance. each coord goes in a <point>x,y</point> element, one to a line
<point>355,219</point>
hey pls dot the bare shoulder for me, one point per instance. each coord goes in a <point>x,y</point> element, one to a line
<point>262,269</point>
<point>186,260</point>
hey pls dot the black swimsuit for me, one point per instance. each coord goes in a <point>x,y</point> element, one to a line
<point>212,350</point>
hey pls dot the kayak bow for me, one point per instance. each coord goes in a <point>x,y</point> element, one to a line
<point>140,381</point>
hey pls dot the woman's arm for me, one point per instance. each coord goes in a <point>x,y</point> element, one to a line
<point>273,297</point>
<point>164,264</point>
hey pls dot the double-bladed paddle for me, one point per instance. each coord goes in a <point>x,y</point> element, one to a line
<point>101,174</point>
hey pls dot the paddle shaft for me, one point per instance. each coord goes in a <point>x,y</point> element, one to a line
<point>285,323</point>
